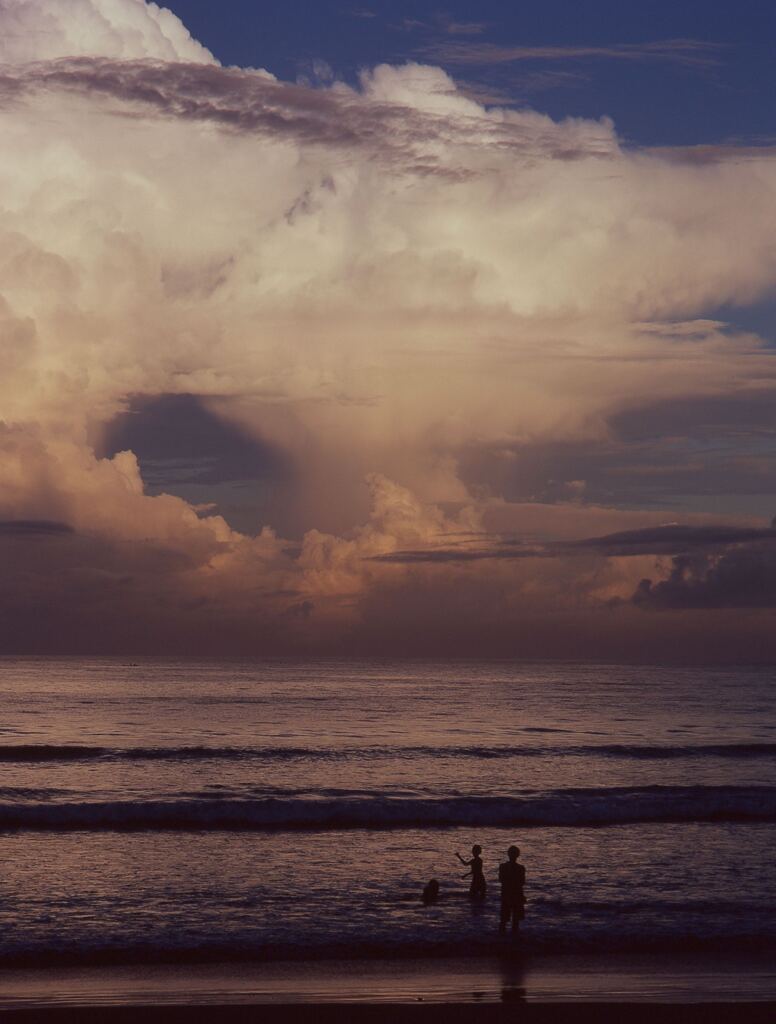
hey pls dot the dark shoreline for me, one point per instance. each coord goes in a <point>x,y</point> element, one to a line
<point>571,988</point>
<point>411,1013</point>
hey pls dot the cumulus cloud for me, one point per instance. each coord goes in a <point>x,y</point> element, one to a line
<point>41,30</point>
<point>740,576</point>
<point>395,302</point>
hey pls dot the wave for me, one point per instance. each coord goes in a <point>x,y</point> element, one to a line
<point>565,807</point>
<point>40,753</point>
<point>732,750</point>
<point>35,752</point>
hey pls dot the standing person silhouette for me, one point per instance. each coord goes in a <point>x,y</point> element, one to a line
<point>478,888</point>
<point>512,878</point>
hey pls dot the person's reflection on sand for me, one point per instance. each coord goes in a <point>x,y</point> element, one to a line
<point>512,878</point>
<point>512,970</point>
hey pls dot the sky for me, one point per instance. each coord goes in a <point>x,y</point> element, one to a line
<point>388,329</point>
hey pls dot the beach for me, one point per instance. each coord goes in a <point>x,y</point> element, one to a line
<point>512,986</point>
<point>224,834</point>
<point>537,1013</point>
<point>387,493</point>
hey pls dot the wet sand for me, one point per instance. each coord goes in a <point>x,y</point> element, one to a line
<point>659,987</point>
<point>388,1013</point>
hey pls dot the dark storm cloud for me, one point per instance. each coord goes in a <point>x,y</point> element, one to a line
<point>657,473</point>
<point>177,440</point>
<point>746,411</point>
<point>11,88</point>
<point>173,226</point>
<point>712,566</point>
<point>653,454</point>
<point>254,103</point>
<point>446,555</point>
<point>661,540</point>
<point>233,98</point>
<point>671,539</point>
<point>743,577</point>
<point>33,528</point>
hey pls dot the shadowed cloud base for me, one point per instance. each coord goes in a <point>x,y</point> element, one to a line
<point>369,368</point>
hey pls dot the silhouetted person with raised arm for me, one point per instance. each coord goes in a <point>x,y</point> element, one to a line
<point>478,888</point>
<point>512,878</point>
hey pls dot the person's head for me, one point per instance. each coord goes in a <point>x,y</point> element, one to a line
<point>513,852</point>
<point>476,850</point>
<point>431,891</point>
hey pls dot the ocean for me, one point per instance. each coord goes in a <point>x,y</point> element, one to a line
<point>232,812</point>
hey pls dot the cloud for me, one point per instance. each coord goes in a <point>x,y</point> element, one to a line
<point>36,30</point>
<point>177,440</point>
<point>673,538</point>
<point>716,153</point>
<point>33,528</point>
<point>400,321</point>
<point>743,577</point>
<point>659,540</point>
<point>465,28</point>
<point>443,23</point>
<point>399,118</point>
<point>690,53</point>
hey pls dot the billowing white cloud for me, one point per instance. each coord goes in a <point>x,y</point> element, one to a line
<point>36,30</point>
<point>376,281</point>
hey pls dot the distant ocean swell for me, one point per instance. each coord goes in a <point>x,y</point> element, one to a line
<point>40,753</point>
<point>567,807</point>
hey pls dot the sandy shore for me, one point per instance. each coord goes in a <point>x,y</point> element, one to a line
<point>387,1013</point>
<point>560,989</point>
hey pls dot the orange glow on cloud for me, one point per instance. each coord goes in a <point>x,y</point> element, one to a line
<point>379,282</point>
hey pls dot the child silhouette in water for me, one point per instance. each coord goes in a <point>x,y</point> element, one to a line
<point>430,892</point>
<point>478,887</point>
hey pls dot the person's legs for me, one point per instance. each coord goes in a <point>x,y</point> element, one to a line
<point>505,911</point>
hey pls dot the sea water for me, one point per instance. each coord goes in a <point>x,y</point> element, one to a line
<point>183,811</point>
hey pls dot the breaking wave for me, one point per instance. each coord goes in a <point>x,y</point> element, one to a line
<point>40,753</point>
<point>564,807</point>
